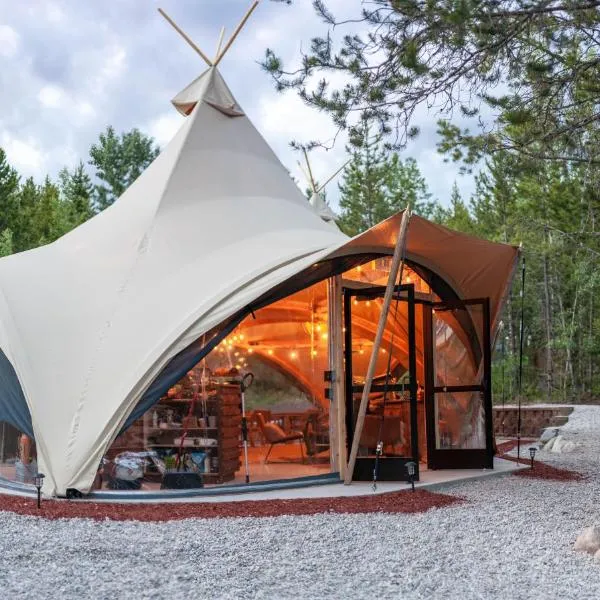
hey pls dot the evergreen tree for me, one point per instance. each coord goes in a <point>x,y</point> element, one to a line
<point>458,216</point>
<point>119,160</point>
<point>363,200</point>
<point>6,245</point>
<point>77,190</point>
<point>9,187</point>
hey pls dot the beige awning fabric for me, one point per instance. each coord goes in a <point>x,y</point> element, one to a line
<point>473,267</point>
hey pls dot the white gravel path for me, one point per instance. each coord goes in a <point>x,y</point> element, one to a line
<point>513,540</point>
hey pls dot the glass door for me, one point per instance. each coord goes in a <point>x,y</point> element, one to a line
<point>391,420</point>
<point>459,403</point>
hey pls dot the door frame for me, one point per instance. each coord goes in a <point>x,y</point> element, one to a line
<point>456,458</point>
<point>390,468</point>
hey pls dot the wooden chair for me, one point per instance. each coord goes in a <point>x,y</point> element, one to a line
<point>274,434</point>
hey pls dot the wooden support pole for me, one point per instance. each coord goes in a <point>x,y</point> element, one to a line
<point>322,187</point>
<point>184,35</point>
<point>313,185</point>
<point>236,32</point>
<point>219,43</point>
<point>337,405</point>
<point>387,300</point>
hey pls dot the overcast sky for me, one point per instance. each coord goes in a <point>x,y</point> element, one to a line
<point>69,68</point>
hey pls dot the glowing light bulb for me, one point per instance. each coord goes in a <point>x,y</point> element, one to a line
<point>361,351</point>
<point>235,338</point>
<point>318,327</point>
<point>241,336</point>
<point>355,302</point>
<point>250,350</point>
<point>293,354</point>
<point>270,352</point>
<point>314,352</point>
<point>368,303</point>
<point>323,336</point>
<point>236,353</point>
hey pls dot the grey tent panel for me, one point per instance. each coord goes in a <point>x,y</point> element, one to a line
<point>13,407</point>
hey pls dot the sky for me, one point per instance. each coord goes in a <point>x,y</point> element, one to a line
<point>69,68</point>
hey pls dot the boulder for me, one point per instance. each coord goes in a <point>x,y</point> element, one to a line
<point>588,540</point>
<point>548,434</point>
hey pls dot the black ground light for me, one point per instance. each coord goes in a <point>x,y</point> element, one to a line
<point>532,451</point>
<point>411,468</point>
<point>38,481</point>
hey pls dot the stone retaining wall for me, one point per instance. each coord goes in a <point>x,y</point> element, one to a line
<point>533,419</point>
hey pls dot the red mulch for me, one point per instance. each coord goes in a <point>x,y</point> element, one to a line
<point>540,470</point>
<point>393,502</point>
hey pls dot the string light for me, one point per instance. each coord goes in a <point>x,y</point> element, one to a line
<point>314,353</point>
<point>323,336</point>
<point>250,350</point>
<point>270,352</point>
<point>293,354</point>
<point>368,303</point>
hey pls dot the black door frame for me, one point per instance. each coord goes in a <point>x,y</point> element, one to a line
<point>390,468</point>
<point>455,458</point>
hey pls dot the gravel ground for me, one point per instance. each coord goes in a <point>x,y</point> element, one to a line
<point>512,540</point>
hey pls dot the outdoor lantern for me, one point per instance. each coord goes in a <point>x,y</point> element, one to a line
<point>532,451</point>
<point>38,481</point>
<point>411,468</point>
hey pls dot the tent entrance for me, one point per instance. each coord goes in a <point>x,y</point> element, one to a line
<point>392,415</point>
<point>458,390</point>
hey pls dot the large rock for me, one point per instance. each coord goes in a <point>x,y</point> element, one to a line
<point>548,434</point>
<point>559,445</point>
<point>588,540</point>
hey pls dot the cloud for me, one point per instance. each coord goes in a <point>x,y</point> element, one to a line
<point>9,41</point>
<point>25,155</point>
<point>70,68</point>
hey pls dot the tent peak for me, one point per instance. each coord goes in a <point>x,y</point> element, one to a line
<point>209,87</point>
<point>220,52</point>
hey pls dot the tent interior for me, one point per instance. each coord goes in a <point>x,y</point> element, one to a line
<point>196,428</point>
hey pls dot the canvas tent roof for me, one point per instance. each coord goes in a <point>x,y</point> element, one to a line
<point>89,321</point>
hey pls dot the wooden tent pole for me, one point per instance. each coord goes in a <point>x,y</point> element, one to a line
<point>387,300</point>
<point>322,187</point>
<point>313,185</point>
<point>219,43</point>
<point>184,35</point>
<point>236,32</point>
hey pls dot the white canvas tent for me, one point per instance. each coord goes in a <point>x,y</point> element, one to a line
<point>88,322</point>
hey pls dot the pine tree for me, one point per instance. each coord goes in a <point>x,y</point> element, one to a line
<point>6,245</point>
<point>9,186</point>
<point>77,189</point>
<point>458,216</point>
<point>363,202</point>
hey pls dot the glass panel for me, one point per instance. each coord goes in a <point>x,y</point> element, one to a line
<point>18,459</point>
<point>458,351</point>
<point>393,428</point>
<point>459,420</point>
<point>376,273</point>
<point>193,436</point>
<point>394,352</point>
